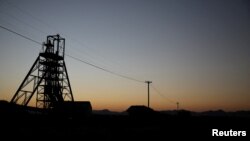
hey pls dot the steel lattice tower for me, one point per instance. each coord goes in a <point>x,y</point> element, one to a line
<point>48,77</point>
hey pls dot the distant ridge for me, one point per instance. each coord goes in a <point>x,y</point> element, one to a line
<point>211,113</point>
<point>107,112</point>
<point>6,107</point>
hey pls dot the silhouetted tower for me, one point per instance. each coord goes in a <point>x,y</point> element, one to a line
<point>48,77</point>
<point>148,82</point>
<point>177,104</point>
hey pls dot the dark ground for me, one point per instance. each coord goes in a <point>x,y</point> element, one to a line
<point>160,126</point>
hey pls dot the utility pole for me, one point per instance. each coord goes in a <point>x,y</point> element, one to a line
<point>148,82</point>
<point>177,104</point>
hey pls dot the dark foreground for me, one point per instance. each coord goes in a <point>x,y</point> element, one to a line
<point>117,127</point>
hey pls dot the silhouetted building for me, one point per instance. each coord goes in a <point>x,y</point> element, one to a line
<point>183,113</point>
<point>4,106</point>
<point>140,110</point>
<point>74,109</point>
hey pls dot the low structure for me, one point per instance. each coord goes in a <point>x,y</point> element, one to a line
<point>74,109</point>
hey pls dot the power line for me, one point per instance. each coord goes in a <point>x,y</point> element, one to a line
<point>20,35</point>
<point>163,96</point>
<point>25,12</point>
<point>33,27</point>
<point>80,60</point>
<point>22,21</point>
<point>68,37</point>
<point>93,65</point>
<point>106,70</point>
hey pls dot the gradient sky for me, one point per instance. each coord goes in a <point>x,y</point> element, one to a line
<point>196,52</point>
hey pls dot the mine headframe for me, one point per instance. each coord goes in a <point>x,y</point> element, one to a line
<point>48,77</point>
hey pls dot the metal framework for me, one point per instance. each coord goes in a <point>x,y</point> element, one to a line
<point>48,77</point>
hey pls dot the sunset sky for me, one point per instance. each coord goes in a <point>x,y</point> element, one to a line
<point>196,52</point>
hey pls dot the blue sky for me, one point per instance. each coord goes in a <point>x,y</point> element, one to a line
<point>196,52</point>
